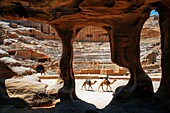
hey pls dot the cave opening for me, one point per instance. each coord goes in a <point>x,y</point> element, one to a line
<point>40,69</point>
<point>150,48</point>
<point>92,61</point>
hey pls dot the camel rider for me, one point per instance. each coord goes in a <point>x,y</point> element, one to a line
<point>107,79</point>
<point>88,80</point>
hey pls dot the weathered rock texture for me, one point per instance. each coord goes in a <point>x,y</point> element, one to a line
<point>6,72</point>
<point>122,19</point>
<point>30,89</point>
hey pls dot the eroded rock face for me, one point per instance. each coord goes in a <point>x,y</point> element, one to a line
<point>3,54</point>
<point>6,72</point>
<point>30,89</point>
<point>123,20</point>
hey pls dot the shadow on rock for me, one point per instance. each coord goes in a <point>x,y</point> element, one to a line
<point>75,106</point>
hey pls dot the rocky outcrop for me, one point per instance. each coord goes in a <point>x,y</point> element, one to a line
<point>10,61</point>
<point>123,20</point>
<point>20,70</point>
<point>6,72</point>
<point>9,41</point>
<point>3,54</point>
<point>28,88</point>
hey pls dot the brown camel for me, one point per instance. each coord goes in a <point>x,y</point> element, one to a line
<point>107,83</point>
<point>88,82</point>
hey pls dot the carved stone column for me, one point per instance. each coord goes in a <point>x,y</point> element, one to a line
<point>164,22</point>
<point>67,92</point>
<point>125,51</point>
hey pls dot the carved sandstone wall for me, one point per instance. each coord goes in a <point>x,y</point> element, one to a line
<point>45,31</point>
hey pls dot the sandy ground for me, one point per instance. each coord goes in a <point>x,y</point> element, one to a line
<point>99,98</point>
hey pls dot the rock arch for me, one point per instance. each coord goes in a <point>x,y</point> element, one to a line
<point>122,19</point>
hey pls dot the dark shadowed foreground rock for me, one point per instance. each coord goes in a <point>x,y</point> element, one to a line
<point>135,105</point>
<point>76,106</point>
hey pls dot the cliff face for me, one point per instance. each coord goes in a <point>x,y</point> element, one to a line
<point>122,19</point>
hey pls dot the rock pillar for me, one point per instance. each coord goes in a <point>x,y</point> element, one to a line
<point>164,21</point>
<point>67,92</point>
<point>125,51</point>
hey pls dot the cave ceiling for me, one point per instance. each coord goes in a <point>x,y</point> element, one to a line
<point>79,13</point>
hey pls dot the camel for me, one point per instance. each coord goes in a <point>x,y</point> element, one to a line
<point>88,82</point>
<point>107,83</point>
